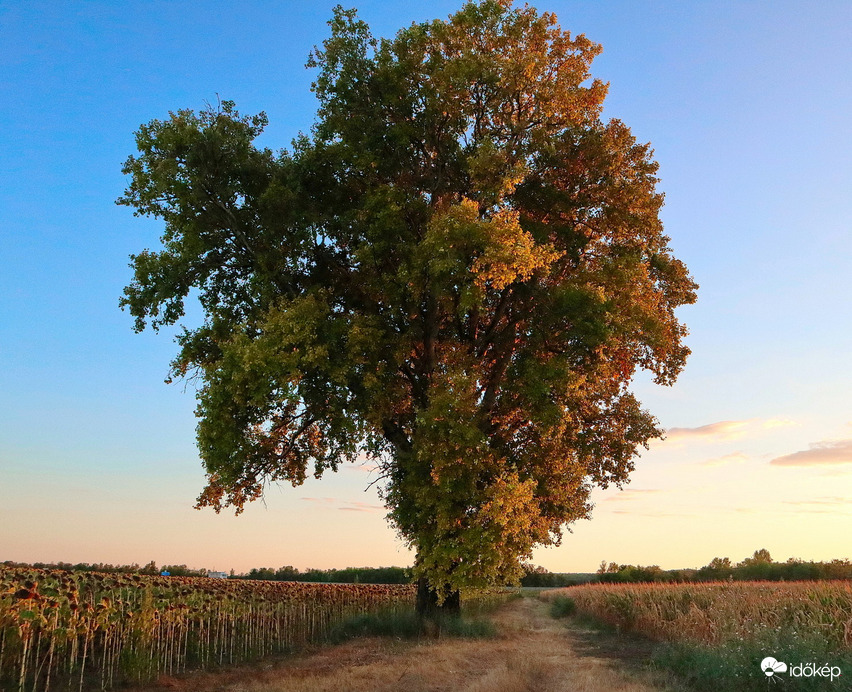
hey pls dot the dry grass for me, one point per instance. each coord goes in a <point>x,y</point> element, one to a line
<point>721,612</point>
<point>714,635</point>
<point>533,653</point>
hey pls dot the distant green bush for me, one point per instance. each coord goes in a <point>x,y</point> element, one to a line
<point>407,625</point>
<point>562,606</point>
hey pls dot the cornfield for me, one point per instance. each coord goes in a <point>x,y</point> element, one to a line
<point>76,631</point>
<point>714,614</point>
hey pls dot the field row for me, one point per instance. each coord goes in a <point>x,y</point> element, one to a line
<point>88,631</point>
<point>726,635</point>
<point>716,613</point>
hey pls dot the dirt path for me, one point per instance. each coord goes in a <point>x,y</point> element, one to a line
<point>532,653</point>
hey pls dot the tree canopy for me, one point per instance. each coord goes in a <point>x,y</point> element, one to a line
<point>457,273</point>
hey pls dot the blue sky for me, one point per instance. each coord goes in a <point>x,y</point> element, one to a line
<point>747,105</point>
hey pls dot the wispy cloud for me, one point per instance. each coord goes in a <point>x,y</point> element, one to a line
<point>365,467</point>
<point>823,505</point>
<point>345,505</point>
<point>646,513</point>
<point>321,500</point>
<point>834,471</point>
<point>818,453</point>
<point>727,429</point>
<point>723,430</point>
<point>631,494</point>
<point>823,501</point>
<point>771,423</point>
<point>361,507</point>
<point>735,458</point>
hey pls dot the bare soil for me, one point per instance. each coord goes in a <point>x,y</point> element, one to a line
<point>531,653</point>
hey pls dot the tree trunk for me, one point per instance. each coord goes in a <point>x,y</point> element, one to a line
<point>427,601</point>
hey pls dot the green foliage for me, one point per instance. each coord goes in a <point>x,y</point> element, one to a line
<point>404,625</point>
<point>468,628</point>
<point>758,567</point>
<point>613,573</point>
<point>736,665</point>
<point>458,273</point>
<point>562,606</point>
<point>350,575</point>
<point>540,577</point>
<point>150,568</point>
<point>407,625</point>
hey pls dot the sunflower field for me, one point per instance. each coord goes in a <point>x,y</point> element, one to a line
<point>81,630</point>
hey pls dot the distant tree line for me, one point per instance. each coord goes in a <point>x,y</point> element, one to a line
<point>539,576</point>
<point>350,575</point>
<point>150,568</point>
<point>759,567</point>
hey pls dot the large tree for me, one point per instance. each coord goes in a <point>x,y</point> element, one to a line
<point>458,274</point>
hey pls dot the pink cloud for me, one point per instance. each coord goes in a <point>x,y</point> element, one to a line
<point>827,452</point>
<point>725,430</point>
<point>728,429</point>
